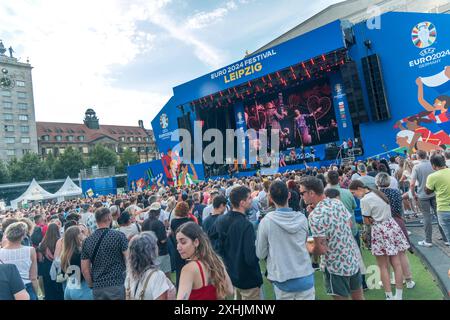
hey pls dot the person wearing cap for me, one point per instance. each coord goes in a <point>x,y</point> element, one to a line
<point>152,223</point>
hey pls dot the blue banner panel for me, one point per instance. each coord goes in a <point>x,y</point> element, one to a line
<point>100,186</point>
<point>414,50</point>
<point>317,42</point>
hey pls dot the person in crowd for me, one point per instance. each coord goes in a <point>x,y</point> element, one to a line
<point>329,222</point>
<point>395,201</point>
<point>11,284</point>
<point>294,199</point>
<point>363,177</point>
<point>282,241</point>
<point>152,223</point>
<point>427,202</point>
<point>24,258</point>
<point>219,207</point>
<point>30,226</point>
<point>198,207</point>
<point>393,183</point>
<point>144,280</point>
<point>46,255</point>
<point>181,217</point>
<point>204,277</point>
<point>387,237</point>
<point>103,259</point>
<point>127,226</point>
<point>439,183</point>
<point>447,158</point>
<point>236,245</point>
<point>76,286</point>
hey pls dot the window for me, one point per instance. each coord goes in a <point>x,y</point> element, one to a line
<point>133,149</point>
<point>6,93</point>
<point>25,140</point>
<point>59,130</point>
<point>69,138</point>
<point>7,116</point>
<point>20,83</point>
<point>21,95</point>
<point>25,151</point>
<point>23,117</point>
<point>48,150</point>
<point>9,128</point>
<point>45,138</point>
<point>122,139</point>
<point>24,129</point>
<point>85,150</point>
<point>70,131</point>
<point>47,130</point>
<point>10,152</point>
<point>58,138</point>
<point>10,140</point>
<point>139,139</point>
<point>130,139</point>
<point>61,150</point>
<point>22,106</point>
<point>80,138</point>
<point>7,104</point>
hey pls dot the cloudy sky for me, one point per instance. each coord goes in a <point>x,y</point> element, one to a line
<point>123,57</point>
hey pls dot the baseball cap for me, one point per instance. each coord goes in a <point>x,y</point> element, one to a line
<point>155,206</point>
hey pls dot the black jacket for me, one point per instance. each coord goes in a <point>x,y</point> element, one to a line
<point>236,245</point>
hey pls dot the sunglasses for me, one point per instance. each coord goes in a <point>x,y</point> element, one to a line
<point>302,193</point>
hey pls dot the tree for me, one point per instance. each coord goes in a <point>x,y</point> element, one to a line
<point>49,162</point>
<point>102,157</point>
<point>127,158</point>
<point>4,175</point>
<point>27,168</point>
<point>68,164</point>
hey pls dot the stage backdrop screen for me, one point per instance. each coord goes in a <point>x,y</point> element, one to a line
<point>304,114</point>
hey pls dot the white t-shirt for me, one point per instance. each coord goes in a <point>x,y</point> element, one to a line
<point>157,285</point>
<point>130,230</point>
<point>394,183</point>
<point>375,207</point>
<point>394,168</point>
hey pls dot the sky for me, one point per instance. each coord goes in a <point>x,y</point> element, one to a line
<point>123,57</point>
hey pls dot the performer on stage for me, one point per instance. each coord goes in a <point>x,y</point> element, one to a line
<point>301,128</point>
<point>273,116</point>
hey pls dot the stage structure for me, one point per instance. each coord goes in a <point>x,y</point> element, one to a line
<point>376,86</point>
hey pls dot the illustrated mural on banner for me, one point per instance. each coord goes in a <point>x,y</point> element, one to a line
<point>417,132</point>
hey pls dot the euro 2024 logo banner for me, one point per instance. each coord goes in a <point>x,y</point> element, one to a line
<point>414,134</point>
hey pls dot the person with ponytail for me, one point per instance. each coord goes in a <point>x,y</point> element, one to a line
<point>388,240</point>
<point>204,277</point>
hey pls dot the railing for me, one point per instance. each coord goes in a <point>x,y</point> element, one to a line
<point>95,172</point>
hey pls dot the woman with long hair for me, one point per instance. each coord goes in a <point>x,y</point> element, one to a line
<point>76,287</point>
<point>387,239</point>
<point>46,255</point>
<point>204,277</point>
<point>181,217</point>
<point>395,201</point>
<point>144,280</point>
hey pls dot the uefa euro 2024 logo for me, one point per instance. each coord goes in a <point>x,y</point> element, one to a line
<point>424,35</point>
<point>164,121</point>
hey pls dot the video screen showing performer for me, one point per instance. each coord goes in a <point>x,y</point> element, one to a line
<point>304,115</point>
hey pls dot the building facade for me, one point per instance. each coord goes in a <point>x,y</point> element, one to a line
<point>55,137</point>
<point>17,116</point>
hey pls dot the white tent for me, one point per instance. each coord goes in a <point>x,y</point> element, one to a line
<point>34,193</point>
<point>68,189</point>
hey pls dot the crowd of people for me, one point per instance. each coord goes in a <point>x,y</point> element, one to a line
<point>214,236</point>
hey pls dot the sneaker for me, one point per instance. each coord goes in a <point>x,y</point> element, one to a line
<point>423,243</point>
<point>410,284</point>
<point>316,266</point>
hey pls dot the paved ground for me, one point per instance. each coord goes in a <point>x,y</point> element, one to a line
<point>437,258</point>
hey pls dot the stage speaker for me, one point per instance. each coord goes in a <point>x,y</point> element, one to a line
<point>353,90</point>
<point>375,88</point>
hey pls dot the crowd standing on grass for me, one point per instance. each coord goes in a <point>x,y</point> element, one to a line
<point>209,240</point>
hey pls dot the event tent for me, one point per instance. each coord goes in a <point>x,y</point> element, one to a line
<point>68,189</point>
<point>34,193</point>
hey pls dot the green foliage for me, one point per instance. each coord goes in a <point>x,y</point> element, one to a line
<point>27,168</point>
<point>4,174</point>
<point>127,158</point>
<point>102,157</point>
<point>68,164</point>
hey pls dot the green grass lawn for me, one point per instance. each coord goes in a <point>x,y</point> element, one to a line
<point>426,287</point>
